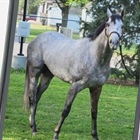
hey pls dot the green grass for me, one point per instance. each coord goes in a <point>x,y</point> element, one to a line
<point>38,29</point>
<point>115,117</point>
<point>131,51</point>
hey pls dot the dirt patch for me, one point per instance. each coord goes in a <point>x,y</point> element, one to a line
<point>122,82</point>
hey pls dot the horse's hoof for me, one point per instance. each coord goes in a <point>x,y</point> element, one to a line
<point>35,133</point>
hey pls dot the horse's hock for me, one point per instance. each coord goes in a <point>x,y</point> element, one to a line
<point>19,62</point>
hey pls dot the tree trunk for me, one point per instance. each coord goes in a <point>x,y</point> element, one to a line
<point>65,14</point>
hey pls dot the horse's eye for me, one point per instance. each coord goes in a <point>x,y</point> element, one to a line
<point>122,27</point>
<point>107,24</point>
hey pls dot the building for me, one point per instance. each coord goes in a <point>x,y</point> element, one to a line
<point>50,14</point>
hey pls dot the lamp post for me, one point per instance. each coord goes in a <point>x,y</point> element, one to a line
<point>22,38</point>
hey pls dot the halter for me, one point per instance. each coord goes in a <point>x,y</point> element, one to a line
<point>113,32</point>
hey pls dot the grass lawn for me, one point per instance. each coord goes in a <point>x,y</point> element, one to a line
<point>127,51</point>
<point>115,117</point>
<point>38,29</point>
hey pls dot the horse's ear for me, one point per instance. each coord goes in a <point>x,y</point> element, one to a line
<point>109,13</point>
<point>122,13</point>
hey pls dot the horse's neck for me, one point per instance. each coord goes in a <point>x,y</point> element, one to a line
<point>103,50</point>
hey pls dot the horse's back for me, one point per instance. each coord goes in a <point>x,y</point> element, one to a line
<point>44,43</point>
<point>48,40</point>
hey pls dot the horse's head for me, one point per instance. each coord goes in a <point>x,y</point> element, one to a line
<point>114,28</point>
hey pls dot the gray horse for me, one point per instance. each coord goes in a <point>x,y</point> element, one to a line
<point>84,63</point>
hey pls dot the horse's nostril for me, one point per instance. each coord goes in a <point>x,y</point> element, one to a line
<point>110,41</point>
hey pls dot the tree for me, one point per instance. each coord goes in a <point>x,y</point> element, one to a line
<point>65,6</point>
<point>33,6</point>
<point>20,6</point>
<point>131,26</point>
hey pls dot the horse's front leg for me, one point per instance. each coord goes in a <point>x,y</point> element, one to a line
<point>75,88</point>
<point>94,95</point>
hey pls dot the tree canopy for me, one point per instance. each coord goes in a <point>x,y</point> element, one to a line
<point>32,6</point>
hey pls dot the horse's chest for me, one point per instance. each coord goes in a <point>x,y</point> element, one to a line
<point>99,76</point>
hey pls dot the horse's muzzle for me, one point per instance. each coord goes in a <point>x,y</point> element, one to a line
<point>113,46</point>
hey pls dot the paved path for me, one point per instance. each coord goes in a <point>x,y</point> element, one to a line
<point>16,48</point>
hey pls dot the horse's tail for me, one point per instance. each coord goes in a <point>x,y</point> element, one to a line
<point>26,89</point>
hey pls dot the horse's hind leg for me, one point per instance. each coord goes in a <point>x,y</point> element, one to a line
<point>34,73</point>
<point>94,95</point>
<point>45,80</point>
<point>75,88</point>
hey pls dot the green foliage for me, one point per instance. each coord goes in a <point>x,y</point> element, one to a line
<point>32,6</point>
<point>116,110</point>
<point>72,2</point>
<point>79,2</point>
<point>133,64</point>
<point>18,71</point>
<point>119,74</point>
<point>20,6</point>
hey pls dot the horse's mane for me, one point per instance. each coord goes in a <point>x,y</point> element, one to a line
<point>92,36</point>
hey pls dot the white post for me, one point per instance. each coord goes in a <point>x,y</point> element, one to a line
<point>8,16</point>
<point>66,31</point>
<point>137,118</point>
<point>4,4</point>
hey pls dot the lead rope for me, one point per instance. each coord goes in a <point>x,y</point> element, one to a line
<point>120,46</point>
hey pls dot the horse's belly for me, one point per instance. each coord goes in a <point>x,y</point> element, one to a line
<point>60,71</point>
<point>64,66</point>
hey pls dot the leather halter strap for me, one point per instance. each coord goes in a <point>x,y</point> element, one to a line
<point>113,32</point>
